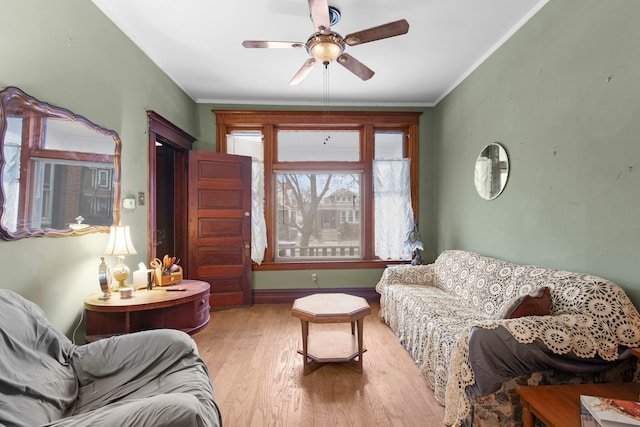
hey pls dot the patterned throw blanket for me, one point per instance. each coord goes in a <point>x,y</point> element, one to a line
<point>432,309</point>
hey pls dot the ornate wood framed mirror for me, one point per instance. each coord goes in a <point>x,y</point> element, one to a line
<point>59,172</point>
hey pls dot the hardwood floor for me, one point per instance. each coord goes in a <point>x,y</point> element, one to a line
<point>257,375</point>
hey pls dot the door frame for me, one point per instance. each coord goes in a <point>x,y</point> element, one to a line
<point>161,129</point>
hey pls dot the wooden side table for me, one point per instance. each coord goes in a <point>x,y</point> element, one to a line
<point>184,306</point>
<point>559,405</point>
<point>331,347</point>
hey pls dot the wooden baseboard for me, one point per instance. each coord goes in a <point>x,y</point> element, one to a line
<point>283,296</point>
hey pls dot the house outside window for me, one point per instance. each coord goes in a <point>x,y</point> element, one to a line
<point>319,200</point>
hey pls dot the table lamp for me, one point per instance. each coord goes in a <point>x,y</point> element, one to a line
<point>120,245</point>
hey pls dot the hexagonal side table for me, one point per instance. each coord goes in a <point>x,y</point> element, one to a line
<point>331,346</point>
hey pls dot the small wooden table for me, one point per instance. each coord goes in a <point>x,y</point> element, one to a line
<point>184,306</point>
<point>559,405</point>
<point>331,346</point>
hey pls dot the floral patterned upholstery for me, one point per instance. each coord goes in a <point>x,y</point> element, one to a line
<point>432,309</point>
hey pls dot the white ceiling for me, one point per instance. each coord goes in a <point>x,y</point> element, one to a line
<point>198,44</point>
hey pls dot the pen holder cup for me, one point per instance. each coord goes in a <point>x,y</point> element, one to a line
<point>151,278</point>
<point>168,279</point>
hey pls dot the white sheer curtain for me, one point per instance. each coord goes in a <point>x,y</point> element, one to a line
<point>482,177</point>
<point>394,216</point>
<point>11,172</point>
<point>252,147</point>
<point>11,184</point>
<point>258,224</point>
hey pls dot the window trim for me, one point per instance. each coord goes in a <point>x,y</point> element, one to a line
<point>368,122</point>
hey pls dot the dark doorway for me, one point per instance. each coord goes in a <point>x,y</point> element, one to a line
<point>165,200</point>
<point>168,154</point>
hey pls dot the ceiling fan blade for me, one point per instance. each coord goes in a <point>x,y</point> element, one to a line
<point>391,29</point>
<point>355,66</point>
<point>320,15</point>
<point>303,72</point>
<point>267,44</point>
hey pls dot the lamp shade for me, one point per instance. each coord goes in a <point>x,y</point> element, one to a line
<point>120,241</point>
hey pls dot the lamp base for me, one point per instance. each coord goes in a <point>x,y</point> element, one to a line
<point>120,272</point>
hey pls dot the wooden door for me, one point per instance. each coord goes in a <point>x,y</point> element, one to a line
<point>219,218</point>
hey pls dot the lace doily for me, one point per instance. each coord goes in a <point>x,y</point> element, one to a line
<point>589,315</point>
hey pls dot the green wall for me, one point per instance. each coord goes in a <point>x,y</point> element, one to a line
<point>563,96</point>
<point>67,53</point>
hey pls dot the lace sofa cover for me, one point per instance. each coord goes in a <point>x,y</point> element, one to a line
<point>432,309</point>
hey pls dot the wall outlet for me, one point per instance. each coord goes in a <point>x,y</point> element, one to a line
<point>129,203</point>
<point>314,278</point>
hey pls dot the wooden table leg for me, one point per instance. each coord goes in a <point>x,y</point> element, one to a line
<point>305,343</point>
<point>360,343</point>
<point>527,415</point>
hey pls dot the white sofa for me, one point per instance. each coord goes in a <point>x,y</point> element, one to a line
<point>448,316</point>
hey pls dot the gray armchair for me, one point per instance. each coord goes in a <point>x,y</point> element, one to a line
<point>147,378</point>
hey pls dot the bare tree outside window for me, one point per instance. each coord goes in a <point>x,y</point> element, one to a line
<point>318,215</point>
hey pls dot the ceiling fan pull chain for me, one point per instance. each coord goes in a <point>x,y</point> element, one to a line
<point>325,96</point>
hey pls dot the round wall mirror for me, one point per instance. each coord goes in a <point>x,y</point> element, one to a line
<point>491,171</point>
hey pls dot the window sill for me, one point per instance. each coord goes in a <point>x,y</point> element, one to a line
<point>325,265</point>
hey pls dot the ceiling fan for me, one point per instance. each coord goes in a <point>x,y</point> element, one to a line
<point>326,46</point>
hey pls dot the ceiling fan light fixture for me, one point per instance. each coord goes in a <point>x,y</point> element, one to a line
<point>325,47</point>
<point>326,52</point>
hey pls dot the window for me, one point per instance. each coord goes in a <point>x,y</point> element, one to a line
<point>326,145</point>
<point>320,227</point>
<point>319,177</point>
<point>56,190</point>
